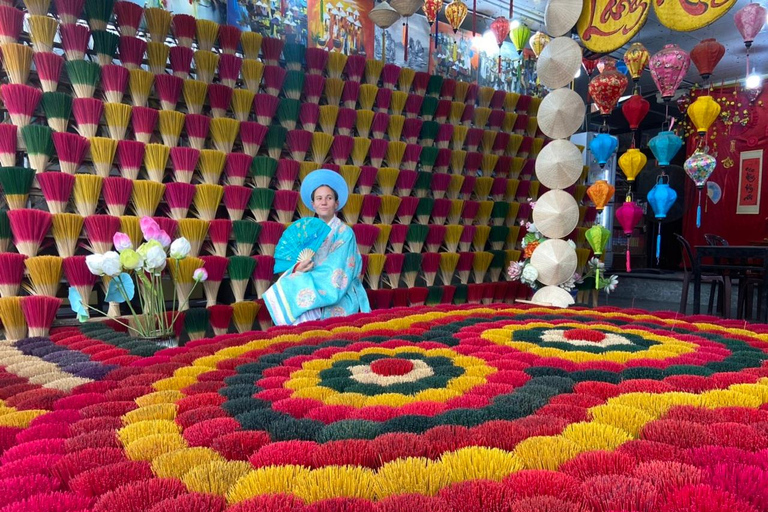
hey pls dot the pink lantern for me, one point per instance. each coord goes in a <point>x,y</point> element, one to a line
<point>749,22</point>
<point>629,214</point>
<point>668,68</point>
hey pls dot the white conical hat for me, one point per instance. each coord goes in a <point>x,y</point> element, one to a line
<point>559,164</point>
<point>561,113</point>
<point>555,260</point>
<point>558,62</point>
<point>552,296</point>
<point>561,15</point>
<point>556,214</point>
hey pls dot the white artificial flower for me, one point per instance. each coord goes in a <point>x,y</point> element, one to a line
<point>180,248</point>
<point>155,259</point>
<point>572,244</point>
<point>531,227</point>
<point>570,284</point>
<point>613,282</point>
<point>111,264</point>
<point>530,274</point>
<point>200,275</point>
<point>596,263</point>
<point>95,263</point>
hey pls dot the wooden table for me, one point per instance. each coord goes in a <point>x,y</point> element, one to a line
<point>724,259</point>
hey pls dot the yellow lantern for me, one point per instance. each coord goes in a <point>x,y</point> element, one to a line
<point>519,36</point>
<point>538,42</point>
<point>632,162</point>
<point>636,59</point>
<point>456,13</point>
<point>601,193</point>
<point>703,112</point>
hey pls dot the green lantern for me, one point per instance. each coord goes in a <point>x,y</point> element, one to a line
<point>598,237</point>
<point>519,36</point>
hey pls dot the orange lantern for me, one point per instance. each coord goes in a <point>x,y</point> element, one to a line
<point>601,193</point>
<point>456,13</point>
<point>431,9</point>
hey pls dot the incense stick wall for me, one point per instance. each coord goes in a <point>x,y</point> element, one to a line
<point>203,128</point>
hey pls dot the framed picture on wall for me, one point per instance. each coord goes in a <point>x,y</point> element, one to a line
<point>750,182</point>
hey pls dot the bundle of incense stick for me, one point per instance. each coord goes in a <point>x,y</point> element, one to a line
<point>195,231</point>
<point>207,200</point>
<point>17,61</point>
<point>244,315</point>
<point>246,234</point>
<point>219,231</point>
<point>117,193</point>
<point>178,197</point>
<point>39,143</point>
<point>128,16</point>
<point>251,136</point>
<point>182,273</point>
<point>66,228</point>
<point>70,148</point>
<point>29,227</point>
<point>114,81</point>
<point>100,230</point>
<point>170,124</point>
<point>130,155</point>
<point>11,273</point>
<point>103,152</point>
<point>16,183</point>
<point>139,86</point>
<point>48,66</point>
<point>42,30</point>
<point>117,115</point>
<point>12,317</point>
<point>44,275</point>
<point>236,200</point>
<point>21,102</point>
<point>155,161</point>
<point>216,267</point>
<point>180,59</point>
<point>242,104</point>
<point>146,197</point>
<point>57,189</point>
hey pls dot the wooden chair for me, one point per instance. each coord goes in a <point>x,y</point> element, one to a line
<point>749,282</point>
<point>720,285</point>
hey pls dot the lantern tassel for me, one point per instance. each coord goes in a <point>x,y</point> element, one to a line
<point>499,60</point>
<point>597,277</point>
<point>658,245</point>
<point>405,41</point>
<point>629,268</point>
<point>698,212</point>
<point>384,46</point>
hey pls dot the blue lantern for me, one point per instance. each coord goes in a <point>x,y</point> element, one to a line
<point>602,147</point>
<point>665,146</point>
<point>621,67</point>
<point>661,198</point>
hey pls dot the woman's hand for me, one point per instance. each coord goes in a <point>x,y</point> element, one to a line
<point>304,266</point>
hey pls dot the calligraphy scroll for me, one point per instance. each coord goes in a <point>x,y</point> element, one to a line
<point>750,182</point>
<point>607,25</point>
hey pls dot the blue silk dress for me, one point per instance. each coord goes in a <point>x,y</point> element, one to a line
<point>331,289</point>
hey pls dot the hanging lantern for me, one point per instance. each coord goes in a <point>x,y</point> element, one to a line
<point>597,236</point>
<point>519,36</point>
<point>406,9</point>
<point>699,167</point>
<point>589,65</point>
<point>431,9</point>
<point>606,88</point>
<point>703,112</point>
<point>632,162</point>
<point>456,13</point>
<point>749,22</point>
<point>602,61</point>
<point>636,58</point>
<point>665,146</point>
<point>629,214</point>
<point>602,146</point>
<point>601,192</point>
<point>538,42</point>
<point>706,55</point>
<point>500,29</point>
<point>635,109</point>
<point>661,198</point>
<point>668,68</point>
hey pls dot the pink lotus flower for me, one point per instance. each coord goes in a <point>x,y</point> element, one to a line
<point>150,229</point>
<point>122,242</point>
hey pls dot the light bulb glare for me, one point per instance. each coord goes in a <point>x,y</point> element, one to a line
<point>753,80</point>
<point>514,24</point>
<point>578,73</point>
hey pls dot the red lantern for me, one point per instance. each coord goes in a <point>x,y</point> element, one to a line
<point>431,9</point>
<point>500,28</point>
<point>635,109</point>
<point>607,87</point>
<point>589,65</point>
<point>706,55</point>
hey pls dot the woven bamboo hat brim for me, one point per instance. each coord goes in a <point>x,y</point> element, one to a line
<point>558,62</point>
<point>559,164</point>
<point>561,15</point>
<point>383,15</point>
<point>561,113</point>
<point>555,261</point>
<point>553,296</point>
<point>556,214</point>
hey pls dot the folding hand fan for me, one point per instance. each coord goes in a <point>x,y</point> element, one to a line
<point>299,242</point>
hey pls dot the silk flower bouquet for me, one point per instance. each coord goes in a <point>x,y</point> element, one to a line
<point>141,269</point>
